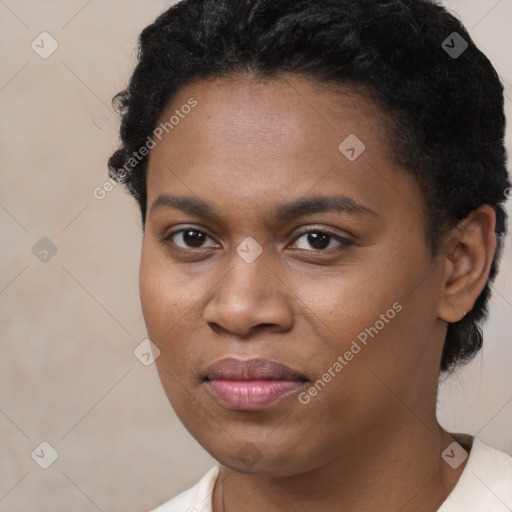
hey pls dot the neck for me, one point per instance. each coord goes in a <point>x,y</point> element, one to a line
<point>397,469</point>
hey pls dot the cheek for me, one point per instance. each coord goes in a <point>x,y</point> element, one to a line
<point>166,300</point>
<point>154,306</point>
<point>170,299</point>
<point>165,294</point>
<point>379,305</point>
<point>348,298</point>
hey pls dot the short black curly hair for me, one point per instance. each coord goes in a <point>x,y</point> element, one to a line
<point>446,110</point>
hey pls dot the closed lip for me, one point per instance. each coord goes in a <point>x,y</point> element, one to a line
<point>250,385</point>
<point>234,369</point>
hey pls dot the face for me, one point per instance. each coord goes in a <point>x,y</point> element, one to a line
<point>285,275</point>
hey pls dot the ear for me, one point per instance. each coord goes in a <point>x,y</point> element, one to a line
<point>469,250</point>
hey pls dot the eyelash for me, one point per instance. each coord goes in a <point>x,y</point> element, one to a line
<point>344,242</point>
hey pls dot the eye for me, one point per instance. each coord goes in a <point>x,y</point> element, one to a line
<point>190,238</point>
<point>320,240</point>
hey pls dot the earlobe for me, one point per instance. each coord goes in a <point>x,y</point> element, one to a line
<point>468,258</point>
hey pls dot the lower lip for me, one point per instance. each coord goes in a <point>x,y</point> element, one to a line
<point>251,395</point>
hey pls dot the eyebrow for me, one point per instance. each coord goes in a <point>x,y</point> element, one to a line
<point>282,211</point>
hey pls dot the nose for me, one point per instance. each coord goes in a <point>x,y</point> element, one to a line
<point>250,296</point>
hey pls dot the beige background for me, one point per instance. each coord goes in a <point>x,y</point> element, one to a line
<point>68,375</point>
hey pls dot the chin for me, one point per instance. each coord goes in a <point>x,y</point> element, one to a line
<point>245,454</point>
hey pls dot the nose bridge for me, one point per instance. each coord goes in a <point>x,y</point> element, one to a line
<point>249,270</point>
<point>248,294</point>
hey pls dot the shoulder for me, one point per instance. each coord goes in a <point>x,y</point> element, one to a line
<point>196,499</point>
<point>485,485</point>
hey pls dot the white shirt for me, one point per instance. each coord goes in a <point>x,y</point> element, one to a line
<point>485,485</point>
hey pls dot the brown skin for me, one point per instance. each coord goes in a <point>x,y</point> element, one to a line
<point>370,440</point>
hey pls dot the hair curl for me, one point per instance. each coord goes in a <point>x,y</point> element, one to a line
<point>447,113</point>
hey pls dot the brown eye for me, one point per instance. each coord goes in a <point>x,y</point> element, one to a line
<point>320,240</point>
<point>188,238</point>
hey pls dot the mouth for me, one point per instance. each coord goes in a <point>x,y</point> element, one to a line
<point>251,384</point>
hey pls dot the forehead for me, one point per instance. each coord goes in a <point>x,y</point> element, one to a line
<point>247,142</point>
<point>238,106</point>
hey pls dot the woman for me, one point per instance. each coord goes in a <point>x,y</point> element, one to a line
<point>321,187</point>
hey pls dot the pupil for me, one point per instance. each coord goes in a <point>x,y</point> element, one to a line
<point>193,241</point>
<point>319,240</point>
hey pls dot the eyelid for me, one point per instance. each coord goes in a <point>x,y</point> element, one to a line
<point>344,241</point>
<point>166,237</point>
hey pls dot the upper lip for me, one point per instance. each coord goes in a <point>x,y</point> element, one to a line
<point>251,369</point>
